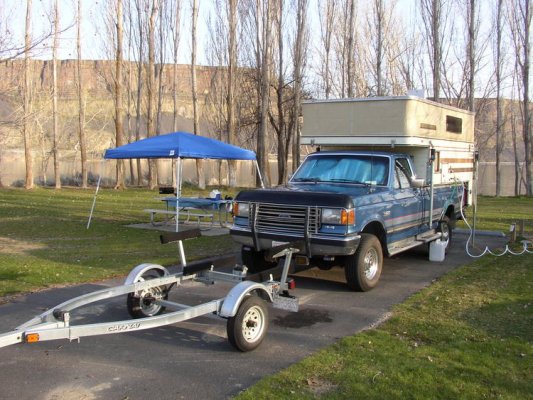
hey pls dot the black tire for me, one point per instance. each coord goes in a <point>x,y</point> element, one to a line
<point>445,226</point>
<point>247,329</point>
<point>142,305</point>
<point>363,269</point>
<point>255,260</point>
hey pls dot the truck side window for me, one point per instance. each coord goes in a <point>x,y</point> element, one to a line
<point>402,180</point>
<point>405,166</point>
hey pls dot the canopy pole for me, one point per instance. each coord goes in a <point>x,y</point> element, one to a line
<point>94,199</point>
<point>178,194</point>
<point>259,173</point>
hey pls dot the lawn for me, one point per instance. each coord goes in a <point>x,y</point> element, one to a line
<point>44,241</point>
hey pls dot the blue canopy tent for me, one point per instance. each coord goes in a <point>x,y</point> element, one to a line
<point>180,145</point>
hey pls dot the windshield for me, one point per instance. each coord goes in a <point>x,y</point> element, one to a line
<point>335,168</point>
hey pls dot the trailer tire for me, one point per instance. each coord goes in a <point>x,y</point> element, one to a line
<point>141,305</point>
<point>247,329</point>
<point>445,227</point>
<point>255,260</point>
<point>363,269</point>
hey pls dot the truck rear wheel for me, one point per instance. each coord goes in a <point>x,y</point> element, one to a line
<point>255,260</point>
<point>363,269</point>
<point>445,227</point>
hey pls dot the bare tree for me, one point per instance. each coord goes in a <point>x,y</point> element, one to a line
<point>232,72</point>
<point>150,86</point>
<point>119,107</point>
<point>499,122</point>
<point>299,63</point>
<point>81,102</point>
<point>521,30</point>
<point>199,163</point>
<point>176,33</point>
<point>27,99</point>
<point>350,38</point>
<point>55,134</point>
<point>265,58</point>
<point>327,14</point>
<point>432,17</point>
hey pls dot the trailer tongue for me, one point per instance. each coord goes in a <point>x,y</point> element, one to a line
<point>147,287</point>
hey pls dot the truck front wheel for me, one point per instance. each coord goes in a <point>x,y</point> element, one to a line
<point>363,268</point>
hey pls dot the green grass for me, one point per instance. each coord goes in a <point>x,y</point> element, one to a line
<point>44,241</point>
<point>468,336</point>
<point>495,213</point>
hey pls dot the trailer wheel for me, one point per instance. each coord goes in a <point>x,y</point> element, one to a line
<point>144,303</point>
<point>255,260</point>
<point>247,329</point>
<point>363,269</point>
<point>445,227</point>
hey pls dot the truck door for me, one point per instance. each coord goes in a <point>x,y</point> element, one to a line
<point>407,204</point>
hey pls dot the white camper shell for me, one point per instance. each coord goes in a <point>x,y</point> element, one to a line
<point>403,124</point>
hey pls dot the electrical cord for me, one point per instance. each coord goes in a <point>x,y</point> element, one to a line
<point>507,249</point>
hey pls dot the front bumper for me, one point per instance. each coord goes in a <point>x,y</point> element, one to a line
<point>316,245</point>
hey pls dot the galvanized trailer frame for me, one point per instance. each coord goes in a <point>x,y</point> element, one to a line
<point>246,327</point>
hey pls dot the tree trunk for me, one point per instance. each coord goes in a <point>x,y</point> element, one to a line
<point>262,150</point>
<point>499,133</point>
<point>152,179</point>
<point>301,22</point>
<point>232,52</point>
<point>351,53</point>
<point>199,163</point>
<point>55,134</point>
<point>81,103</point>
<point>119,108</point>
<point>27,99</point>
<point>139,90</point>
<point>526,124</point>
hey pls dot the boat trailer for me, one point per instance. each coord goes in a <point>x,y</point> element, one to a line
<point>147,287</point>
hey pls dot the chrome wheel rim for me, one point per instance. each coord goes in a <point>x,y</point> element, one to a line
<point>253,324</point>
<point>371,264</point>
<point>149,299</point>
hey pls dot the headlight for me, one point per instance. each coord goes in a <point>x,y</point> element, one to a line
<point>338,216</point>
<point>241,209</point>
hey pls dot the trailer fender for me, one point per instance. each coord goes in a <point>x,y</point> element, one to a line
<point>236,295</point>
<point>139,270</point>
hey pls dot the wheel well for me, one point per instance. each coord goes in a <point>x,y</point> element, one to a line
<point>261,294</point>
<point>376,229</point>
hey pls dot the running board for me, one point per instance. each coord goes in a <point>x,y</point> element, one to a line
<point>417,241</point>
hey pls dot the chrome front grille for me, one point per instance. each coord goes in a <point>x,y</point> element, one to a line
<point>286,219</point>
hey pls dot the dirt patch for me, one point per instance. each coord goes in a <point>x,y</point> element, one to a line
<point>319,386</point>
<point>303,318</point>
<point>12,246</point>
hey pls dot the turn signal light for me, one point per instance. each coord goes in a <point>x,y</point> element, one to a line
<point>348,217</point>
<point>32,337</point>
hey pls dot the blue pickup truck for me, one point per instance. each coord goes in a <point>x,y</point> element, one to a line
<point>348,209</point>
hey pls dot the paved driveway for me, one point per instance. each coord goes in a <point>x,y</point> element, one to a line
<point>193,360</point>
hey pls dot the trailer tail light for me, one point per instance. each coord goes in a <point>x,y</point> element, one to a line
<point>32,337</point>
<point>291,283</point>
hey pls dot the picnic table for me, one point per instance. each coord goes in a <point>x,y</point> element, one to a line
<point>195,209</point>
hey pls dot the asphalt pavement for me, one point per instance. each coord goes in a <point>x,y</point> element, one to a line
<point>193,359</point>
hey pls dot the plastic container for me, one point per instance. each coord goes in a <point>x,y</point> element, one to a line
<point>437,251</point>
